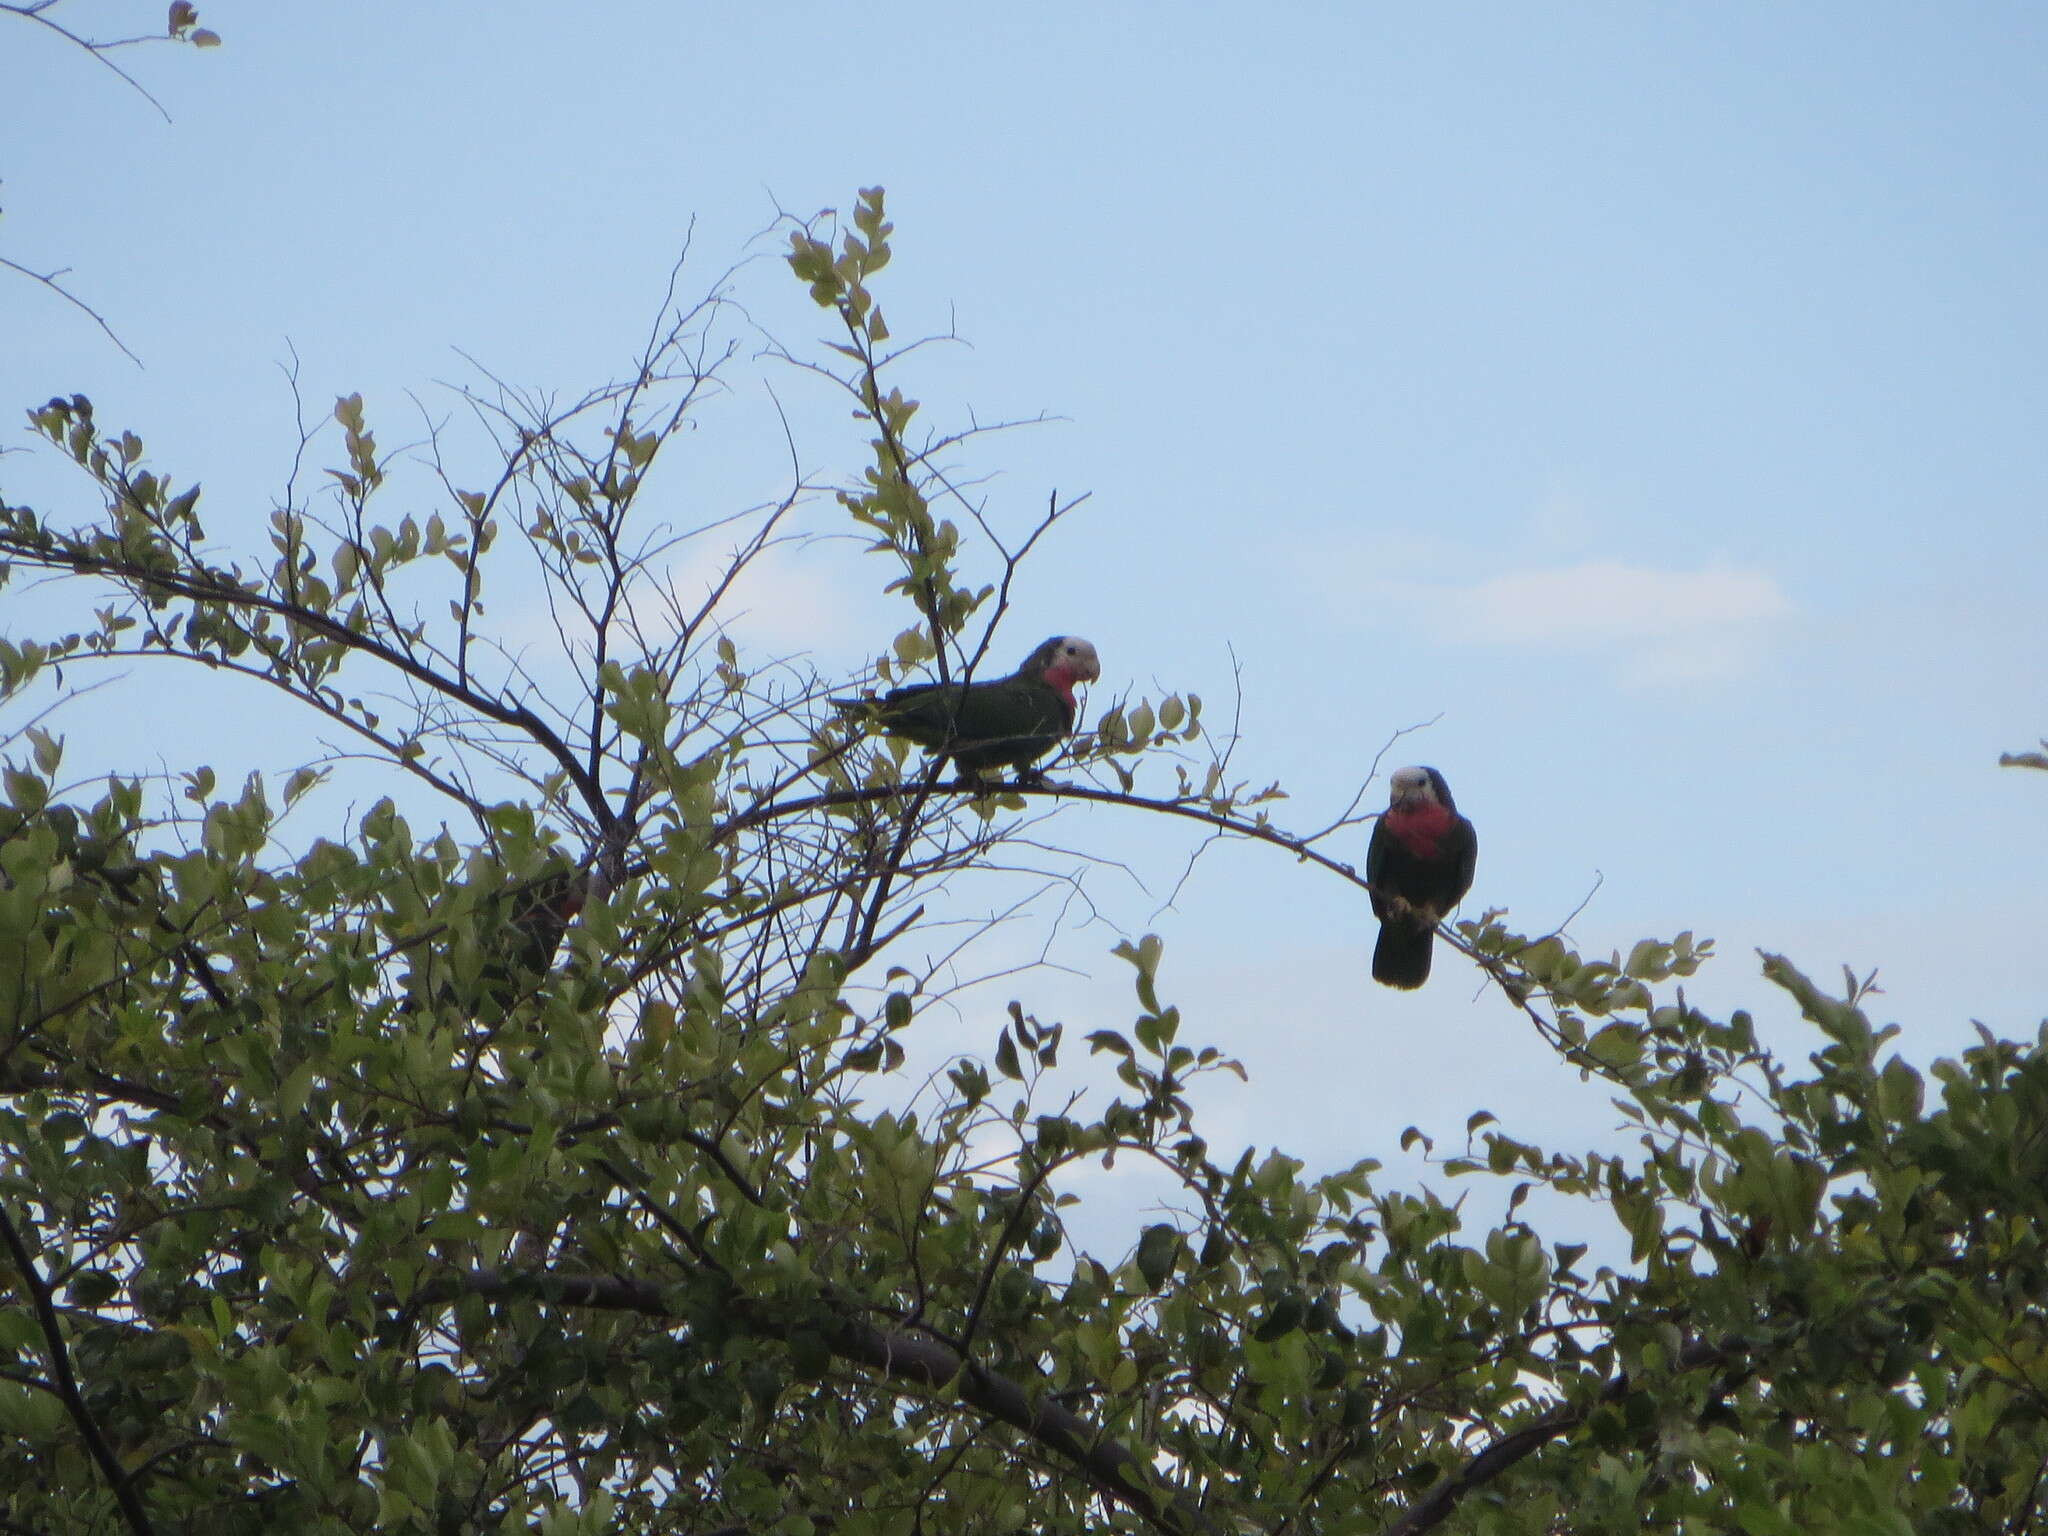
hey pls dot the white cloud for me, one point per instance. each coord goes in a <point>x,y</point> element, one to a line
<point>788,600</point>
<point>1660,626</point>
<point>1606,600</point>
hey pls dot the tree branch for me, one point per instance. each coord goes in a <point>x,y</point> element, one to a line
<point>1435,1506</point>
<point>1115,1471</point>
<point>98,51</point>
<point>67,1384</point>
<point>49,281</point>
<point>204,586</point>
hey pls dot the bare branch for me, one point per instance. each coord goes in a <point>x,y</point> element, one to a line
<point>49,281</point>
<point>39,14</point>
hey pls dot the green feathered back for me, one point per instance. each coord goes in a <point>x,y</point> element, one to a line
<point>1007,723</point>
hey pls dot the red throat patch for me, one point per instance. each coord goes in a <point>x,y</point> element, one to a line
<point>1062,681</point>
<point>1418,827</point>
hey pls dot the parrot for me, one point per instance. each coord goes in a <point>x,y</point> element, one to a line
<point>515,925</point>
<point>1010,722</point>
<point>1419,865</point>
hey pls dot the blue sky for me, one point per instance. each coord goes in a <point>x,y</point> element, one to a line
<point>1653,396</point>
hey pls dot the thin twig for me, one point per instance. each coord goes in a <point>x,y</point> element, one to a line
<point>97,50</point>
<point>49,281</point>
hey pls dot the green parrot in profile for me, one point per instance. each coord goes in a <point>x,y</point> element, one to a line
<point>1010,722</point>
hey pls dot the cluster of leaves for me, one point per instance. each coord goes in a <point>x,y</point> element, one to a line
<point>553,1176</point>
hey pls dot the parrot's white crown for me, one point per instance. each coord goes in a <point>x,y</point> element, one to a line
<point>1411,784</point>
<point>1079,656</point>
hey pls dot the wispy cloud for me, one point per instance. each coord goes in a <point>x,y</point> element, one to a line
<point>1660,626</point>
<point>789,600</point>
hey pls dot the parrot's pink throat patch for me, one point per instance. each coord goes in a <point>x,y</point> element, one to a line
<point>1419,827</point>
<point>1062,681</point>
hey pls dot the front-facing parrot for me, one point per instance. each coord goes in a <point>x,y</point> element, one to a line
<point>1419,865</point>
<point>1009,722</point>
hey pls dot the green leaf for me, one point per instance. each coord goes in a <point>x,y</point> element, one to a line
<point>1619,1046</point>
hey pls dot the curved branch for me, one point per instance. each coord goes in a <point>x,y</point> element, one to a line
<point>98,51</point>
<point>123,1489</point>
<point>1258,831</point>
<point>1195,809</point>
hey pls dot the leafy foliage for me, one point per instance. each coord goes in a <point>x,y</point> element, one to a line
<point>555,1176</point>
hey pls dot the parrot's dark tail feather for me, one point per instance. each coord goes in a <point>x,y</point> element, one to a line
<point>1401,957</point>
